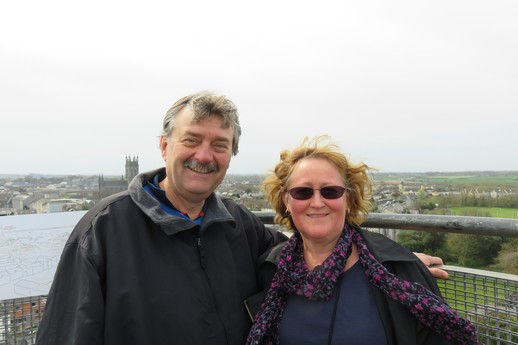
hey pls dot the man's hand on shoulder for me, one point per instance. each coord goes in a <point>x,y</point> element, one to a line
<point>430,262</point>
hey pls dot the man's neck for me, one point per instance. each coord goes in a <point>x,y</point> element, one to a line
<point>190,208</point>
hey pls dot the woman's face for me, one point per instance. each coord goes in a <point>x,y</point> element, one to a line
<point>317,219</point>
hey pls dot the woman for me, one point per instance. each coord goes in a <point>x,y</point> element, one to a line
<point>335,282</point>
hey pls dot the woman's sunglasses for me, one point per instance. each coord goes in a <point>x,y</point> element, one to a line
<point>305,193</point>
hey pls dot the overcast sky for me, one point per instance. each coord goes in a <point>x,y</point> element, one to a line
<point>404,86</point>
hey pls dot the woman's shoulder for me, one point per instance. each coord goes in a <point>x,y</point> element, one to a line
<point>399,260</point>
<point>385,249</point>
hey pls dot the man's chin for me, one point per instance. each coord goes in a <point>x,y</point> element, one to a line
<point>201,187</point>
<point>199,183</point>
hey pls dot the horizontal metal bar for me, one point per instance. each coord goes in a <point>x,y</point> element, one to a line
<point>485,226</point>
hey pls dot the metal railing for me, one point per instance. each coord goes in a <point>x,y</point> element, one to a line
<point>20,319</point>
<point>488,299</point>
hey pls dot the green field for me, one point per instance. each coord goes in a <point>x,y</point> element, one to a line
<point>468,179</point>
<point>495,212</point>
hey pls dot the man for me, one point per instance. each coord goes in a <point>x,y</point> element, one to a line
<point>168,261</point>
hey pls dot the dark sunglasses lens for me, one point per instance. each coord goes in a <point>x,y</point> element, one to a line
<point>332,192</point>
<point>305,193</point>
<point>301,193</point>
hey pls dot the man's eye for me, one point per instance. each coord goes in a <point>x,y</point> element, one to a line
<point>221,147</point>
<point>189,141</point>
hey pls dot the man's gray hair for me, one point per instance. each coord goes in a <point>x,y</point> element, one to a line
<point>203,105</point>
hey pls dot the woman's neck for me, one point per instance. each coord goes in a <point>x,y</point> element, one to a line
<point>315,255</point>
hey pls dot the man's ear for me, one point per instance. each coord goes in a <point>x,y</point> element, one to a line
<point>163,147</point>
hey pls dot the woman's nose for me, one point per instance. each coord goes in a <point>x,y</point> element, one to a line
<point>316,199</point>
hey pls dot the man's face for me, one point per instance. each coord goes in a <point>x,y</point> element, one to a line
<point>197,156</point>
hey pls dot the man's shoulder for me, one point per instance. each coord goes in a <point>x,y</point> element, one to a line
<point>109,206</point>
<point>111,203</point>
<point>228,201</point>
<point>235,208</point>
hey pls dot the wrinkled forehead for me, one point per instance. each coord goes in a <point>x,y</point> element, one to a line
<point>209,121</point>
<point>299,167</point>
<point>198,117</point>
<point>187,121</point>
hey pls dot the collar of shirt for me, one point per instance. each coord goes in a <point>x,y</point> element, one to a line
<point>153,188</point>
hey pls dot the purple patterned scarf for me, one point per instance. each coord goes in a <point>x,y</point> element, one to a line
<point>294,278</point>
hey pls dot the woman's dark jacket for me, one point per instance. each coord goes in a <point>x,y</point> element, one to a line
<point>132,274</point>
<point>401,327</point>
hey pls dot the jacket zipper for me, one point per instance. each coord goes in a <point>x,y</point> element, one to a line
<point>201,252</point>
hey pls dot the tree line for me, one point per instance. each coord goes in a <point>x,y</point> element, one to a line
<point>475,251</point>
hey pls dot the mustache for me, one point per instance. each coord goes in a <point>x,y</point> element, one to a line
<point>201,167</point>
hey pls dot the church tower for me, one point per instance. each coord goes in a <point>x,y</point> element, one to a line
<point>131,168</point>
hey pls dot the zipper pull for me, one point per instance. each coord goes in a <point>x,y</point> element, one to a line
<point>201,252</point>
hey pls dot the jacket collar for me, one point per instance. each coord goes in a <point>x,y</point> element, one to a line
<point>215,210</point>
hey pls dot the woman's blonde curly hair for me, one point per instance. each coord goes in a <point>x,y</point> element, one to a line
<point>356,180</point>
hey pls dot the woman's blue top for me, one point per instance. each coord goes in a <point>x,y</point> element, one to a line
<point>349,317</point>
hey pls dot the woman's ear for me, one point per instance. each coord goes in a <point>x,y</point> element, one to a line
<point>285,201</point>
<point>348,202</point>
